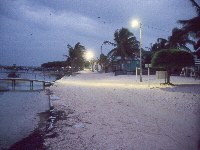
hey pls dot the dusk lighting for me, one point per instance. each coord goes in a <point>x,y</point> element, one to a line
<point>136,23</point>
<point>89,55</point>
<point>77,74</point>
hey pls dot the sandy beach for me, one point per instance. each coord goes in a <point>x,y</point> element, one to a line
<point>108,112</point>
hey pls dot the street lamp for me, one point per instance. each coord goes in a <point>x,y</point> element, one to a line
<point>133,24</point>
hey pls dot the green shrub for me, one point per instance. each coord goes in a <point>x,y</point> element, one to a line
<point>172,58</point>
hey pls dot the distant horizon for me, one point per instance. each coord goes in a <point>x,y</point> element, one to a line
<point>18,66</point>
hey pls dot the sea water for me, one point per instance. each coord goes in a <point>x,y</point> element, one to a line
<point>19,108</point>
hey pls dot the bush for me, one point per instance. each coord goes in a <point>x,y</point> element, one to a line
<point>172,58</point>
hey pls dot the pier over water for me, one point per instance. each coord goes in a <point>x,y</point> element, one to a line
<point>14,80</point>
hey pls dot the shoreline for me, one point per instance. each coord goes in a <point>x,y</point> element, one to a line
<point>43,130</point>
<point>26,101</point>
<point>64,112</point>
<point>35,139</point>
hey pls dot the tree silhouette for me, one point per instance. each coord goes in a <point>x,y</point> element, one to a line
<point>125,44</point>
<point>178,40</point>
<point>76,56</point>
<point>169,59</point>
<point>192,26</point>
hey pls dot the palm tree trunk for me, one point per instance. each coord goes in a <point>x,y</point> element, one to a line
<point>168,77</point>
<point>73,65</point>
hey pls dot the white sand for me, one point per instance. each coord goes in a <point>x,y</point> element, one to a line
<point>110,112</point>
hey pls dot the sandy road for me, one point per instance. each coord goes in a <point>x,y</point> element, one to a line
<point>119,113</point>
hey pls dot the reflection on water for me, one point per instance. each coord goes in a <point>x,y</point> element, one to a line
<point>18,115</point>
<point>19,109</point>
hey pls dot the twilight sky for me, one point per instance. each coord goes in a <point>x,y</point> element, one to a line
<point>38,31</point>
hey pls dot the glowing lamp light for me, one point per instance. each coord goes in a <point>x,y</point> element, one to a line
<point>135,23</point>
<point>89,55</point>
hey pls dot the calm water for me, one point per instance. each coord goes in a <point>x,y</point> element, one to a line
<point>19,108</point>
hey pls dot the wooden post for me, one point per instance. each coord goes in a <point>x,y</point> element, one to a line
<point>43,84</point>
<point>136,73</point>
<point>13,84</point>
<point>31,84</point>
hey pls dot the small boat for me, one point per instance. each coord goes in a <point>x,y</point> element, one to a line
<point>13,75</point>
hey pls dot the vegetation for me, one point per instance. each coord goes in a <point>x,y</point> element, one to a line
<point>177,40</point>
<point>87,64</point>
<point>104,62</point>
<point>15,67</point>
<point>125,44</point>
<point>75,59</point>
<point>181,37</point>
<point>169,54</point>
<point>76,56</point>
<point>103,59</point>
<point>55,64</point>
<point>192,26</point>
<point>169,59</point>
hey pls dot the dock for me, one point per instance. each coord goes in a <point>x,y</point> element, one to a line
<point>45,83</point>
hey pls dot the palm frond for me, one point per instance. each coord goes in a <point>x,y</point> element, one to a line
<point>112,53</point>
<point>110,43</point>
<point>183,47</point>
<point>197,45</point>
<point>192,25</point>
<point>197,7</point>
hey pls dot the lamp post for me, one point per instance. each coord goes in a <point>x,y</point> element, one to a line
<point>140,52</point>
<point>135,23</point>
<point>92,64</point>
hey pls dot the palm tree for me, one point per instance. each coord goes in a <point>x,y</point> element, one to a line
<point>125,44</point>
<point>76,55</point>
<point>177,40</point>
<point>160,44</point>
<point>192,26</point>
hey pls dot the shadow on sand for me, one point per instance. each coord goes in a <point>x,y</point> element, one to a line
<point>183,88</point>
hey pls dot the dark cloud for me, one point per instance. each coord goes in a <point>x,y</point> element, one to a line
<point>9,9</point>
<point>37,31</point>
